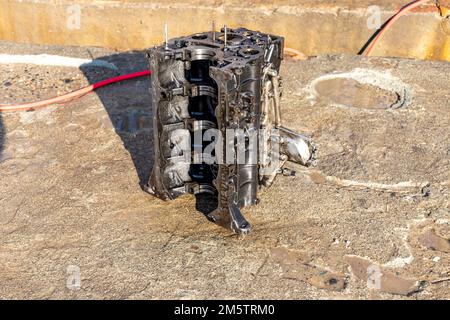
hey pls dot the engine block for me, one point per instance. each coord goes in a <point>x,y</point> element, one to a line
<point>217,121</point>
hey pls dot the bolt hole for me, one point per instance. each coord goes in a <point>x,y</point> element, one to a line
<point>199,36</point>
<point>250,51</point>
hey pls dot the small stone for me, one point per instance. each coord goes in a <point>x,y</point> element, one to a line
<point>347,244</point>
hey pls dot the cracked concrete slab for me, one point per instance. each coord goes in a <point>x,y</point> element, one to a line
<point>70,191</point>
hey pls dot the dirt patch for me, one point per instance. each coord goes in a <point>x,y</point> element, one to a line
<point>430,240</point>
<point>349,92</point>
<point>298,265</point>
<point>362,89</point>
<point>379,278</point>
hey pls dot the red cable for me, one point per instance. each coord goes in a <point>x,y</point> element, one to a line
<point>391,22</point>
<point>121,78</point>
<point>74,94</point>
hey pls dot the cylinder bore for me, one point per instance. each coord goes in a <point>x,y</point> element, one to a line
<point>250,51</point>
<point>232,38</point>
<point>202,53</point>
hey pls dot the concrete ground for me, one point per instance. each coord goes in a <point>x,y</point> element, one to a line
<point>371,221</point>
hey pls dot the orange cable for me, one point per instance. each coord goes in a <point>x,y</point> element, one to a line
<point>391,22</point>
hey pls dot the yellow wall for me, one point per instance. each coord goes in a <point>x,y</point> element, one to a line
<point>312,26</point>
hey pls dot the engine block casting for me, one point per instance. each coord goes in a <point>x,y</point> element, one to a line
<point>217,121</point>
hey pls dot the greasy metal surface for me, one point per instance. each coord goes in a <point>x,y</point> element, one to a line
<point>70,194</point>
<point>211,83</point>
<point>311,26</point>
